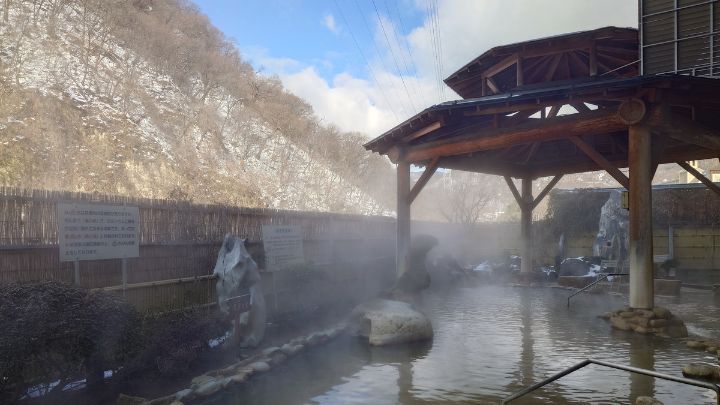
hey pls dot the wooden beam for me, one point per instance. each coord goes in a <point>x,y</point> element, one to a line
<point>500,66</point>
<point>402,253</point>
<point>423,131</point>
<point>514,191</point>
<point>688,131</point>
<point>493,85</point>
<point>592,63</point>
<point>554,110</point>
<point>546,190</point>
<point>580,107</point>
<point>423,180</point>
<point>520,74</point>
<point>533,148</point>
<point>595,122</point>
<point>640,238</point>
<point>704,180</point>
<point>601,161</point>
<point>553,67</point>
<point>577,63</point>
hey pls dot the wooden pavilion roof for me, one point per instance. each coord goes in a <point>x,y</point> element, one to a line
<point>524,132</point>
<point>600,52</point>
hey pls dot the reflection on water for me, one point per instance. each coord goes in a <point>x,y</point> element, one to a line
<point>490,342</point>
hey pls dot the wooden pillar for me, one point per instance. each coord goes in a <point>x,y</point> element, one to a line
<point>402,260</point>
<point>526,209</point>
<point>641,249</point>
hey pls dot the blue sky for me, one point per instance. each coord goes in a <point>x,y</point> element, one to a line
<point>309,45</point>
<point>307,32</point>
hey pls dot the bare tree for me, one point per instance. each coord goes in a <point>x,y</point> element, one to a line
<point>466,195</point>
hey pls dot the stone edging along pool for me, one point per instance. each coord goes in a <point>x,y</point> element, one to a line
<point>214,381</point>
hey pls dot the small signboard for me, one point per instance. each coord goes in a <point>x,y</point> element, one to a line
<point>624,200</point>
<point>239,304</point>
<point>97,231</point>
<point>283,247</point>
<point>609,264</point>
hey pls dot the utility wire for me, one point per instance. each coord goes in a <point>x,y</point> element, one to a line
<point>377,50</point>
<point>372,71</point>
<point>435,36</point>
<point>440,52</point>
<point>414,65</point>
<point>431,22</point>
<point>393,56</point>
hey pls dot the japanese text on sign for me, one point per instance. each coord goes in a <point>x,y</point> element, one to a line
<point>94,232</point>
<point>283,247</point>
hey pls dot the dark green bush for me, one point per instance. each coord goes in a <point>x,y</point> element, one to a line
<point>51,331</point>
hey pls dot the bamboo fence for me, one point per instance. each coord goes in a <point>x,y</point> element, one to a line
<point>179,242</point>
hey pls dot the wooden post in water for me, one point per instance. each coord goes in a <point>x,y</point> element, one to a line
<point>640,202</point>
<point>526,209</point>
<point>403,217</point>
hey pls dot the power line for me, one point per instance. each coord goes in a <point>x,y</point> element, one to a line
<point>393,56</point>
<point>377,50</point>
<point>435,42</point>
<point>440,52</point>
<point>372,71</point>
<point>407,47</point>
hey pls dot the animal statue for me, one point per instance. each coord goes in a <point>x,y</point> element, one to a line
<point>237,273</point>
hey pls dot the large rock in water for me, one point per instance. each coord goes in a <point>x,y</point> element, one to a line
<point>387,322</point>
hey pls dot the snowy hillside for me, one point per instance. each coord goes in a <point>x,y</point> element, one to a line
<point>89,103</point>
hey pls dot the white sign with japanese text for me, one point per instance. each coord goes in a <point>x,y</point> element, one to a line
<point>97,231</point>
<point>283,247</point>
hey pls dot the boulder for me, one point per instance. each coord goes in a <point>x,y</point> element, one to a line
<point>260,367</point>
<point>387,322</point>
<point>277,358</point>
<point>184,395</point>
<point>201,379</point>
<point>209,388</point>
<point>575,266</point>
<point>706,371</point>
<point>696,344</point>
<point>619,323</point>
<point>661,312</point>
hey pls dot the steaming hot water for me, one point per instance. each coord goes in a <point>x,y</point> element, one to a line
<point>490,342</point>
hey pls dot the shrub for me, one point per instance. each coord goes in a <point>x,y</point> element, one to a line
<point>53,331</point>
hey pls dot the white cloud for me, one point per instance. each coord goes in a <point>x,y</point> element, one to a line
<point>467,28</point>
<point>348,102</point>
<point>329,23</point>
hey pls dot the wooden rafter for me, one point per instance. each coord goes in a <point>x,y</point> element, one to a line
<point>592,59</point>
<point>500,66</point>
<point>580,107</point>
<point>554,110</point>
<point>494,87</point>
<point>546,190</point>
<point>601,161</point>
<point>423,180</point>
<point>577,63</point>
<point>553,67</point>
<point>423,131</point>
<point>595,122</point>
<point>514,191</point>
<point>704,180</point>
<point>688,131</point>
<point>531,151</point>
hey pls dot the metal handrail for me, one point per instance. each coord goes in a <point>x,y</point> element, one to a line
<point>688,381</point>
<point>602,277</point>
